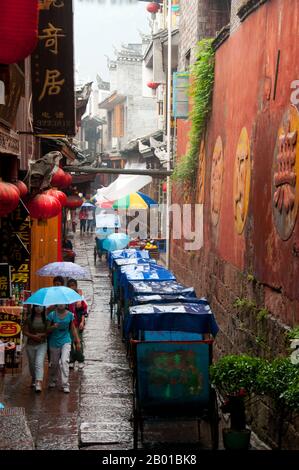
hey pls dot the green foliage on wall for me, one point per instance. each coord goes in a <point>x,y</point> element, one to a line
<point>293,333</point>
<point>202,81</point>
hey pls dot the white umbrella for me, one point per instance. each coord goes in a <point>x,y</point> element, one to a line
<point>64,269</point>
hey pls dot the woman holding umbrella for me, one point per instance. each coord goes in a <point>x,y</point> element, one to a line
<point>35,328</point>
<point>61,325</point>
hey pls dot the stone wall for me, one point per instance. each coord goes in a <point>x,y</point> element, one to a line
<point>141,116</point>
<point>234,19</point>
<point>199,19</point>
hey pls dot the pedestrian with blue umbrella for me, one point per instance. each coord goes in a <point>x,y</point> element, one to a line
<point>35,329</point>
<point>60,323</point>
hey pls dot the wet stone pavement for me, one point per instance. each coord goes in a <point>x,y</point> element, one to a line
<point>97,410</point>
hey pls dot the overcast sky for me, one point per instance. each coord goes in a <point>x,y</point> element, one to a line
<point>98,26</point>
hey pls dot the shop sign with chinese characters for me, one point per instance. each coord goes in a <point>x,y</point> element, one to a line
<point>5,281</point>
<point>15,245</point>
<point>10,327</point>
<point>53,71</point>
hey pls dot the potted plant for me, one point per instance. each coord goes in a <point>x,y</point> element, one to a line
<point>234,376</point>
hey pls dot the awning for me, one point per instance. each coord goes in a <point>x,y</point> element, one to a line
<point>123,185</point>
<point>112,100</point>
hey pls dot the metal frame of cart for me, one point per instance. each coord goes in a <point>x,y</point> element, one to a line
<point>171,382</point>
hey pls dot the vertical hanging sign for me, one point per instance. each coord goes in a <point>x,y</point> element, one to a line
<point>52,65</point>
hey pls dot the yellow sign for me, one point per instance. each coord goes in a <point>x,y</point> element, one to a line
<point>9,328</point>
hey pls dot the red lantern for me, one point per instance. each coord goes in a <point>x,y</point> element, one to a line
<point>18,29</point>
<point>21,187</point>
<point>73,202</point>
<point>44,206</point>
<point>59,195</point>
<point>67,180</point>
<point>153,85</point>
<point>58,179</point>
<point>9,198</point>
<point>153,7</point>
<point>164,187</point>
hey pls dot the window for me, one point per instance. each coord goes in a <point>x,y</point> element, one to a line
<point>160,108</point>
<point>187,60</point>
<point>180,104</point>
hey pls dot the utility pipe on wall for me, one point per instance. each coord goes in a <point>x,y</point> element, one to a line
<point>168,193</point>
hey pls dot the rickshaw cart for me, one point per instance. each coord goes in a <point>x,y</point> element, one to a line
<point>171,377</point>
<point>139,273</point>
<point>118,263</point>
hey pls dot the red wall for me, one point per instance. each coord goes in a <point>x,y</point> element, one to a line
<point>243,97</point>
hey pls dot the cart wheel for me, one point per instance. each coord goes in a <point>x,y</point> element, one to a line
<point>95,255</point>
<point>214,419</point>
<point>135,423</point>
<point>111,305</point>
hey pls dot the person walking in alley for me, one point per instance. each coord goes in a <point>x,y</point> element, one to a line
<point>57,281</point>
<point>83,219</point>
<point>35,328</point>
<point>90,218</point>
<point>79,310</point>
<point>61,325</point>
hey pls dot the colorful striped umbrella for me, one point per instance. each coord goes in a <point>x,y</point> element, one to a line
<point>134,201</point>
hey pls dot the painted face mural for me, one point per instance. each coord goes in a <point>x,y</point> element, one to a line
<point>216,181</point>
<point>285,184</point>
<point>242,181</point>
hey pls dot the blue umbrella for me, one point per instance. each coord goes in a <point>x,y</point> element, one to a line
<point>88,204</point>
<point>53,296</point>
<point>64,269</point>
<point>104,232</point>
<point>116,241</point>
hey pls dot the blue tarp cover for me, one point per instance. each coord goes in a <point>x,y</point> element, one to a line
<point>165,287</point>
<point>127,253</point>
<point>143,272</point>
<point>119,262</point>
<point>167,298</point>
<point>197,318</point>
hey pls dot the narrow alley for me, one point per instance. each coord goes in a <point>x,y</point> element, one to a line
<point>97,410</point>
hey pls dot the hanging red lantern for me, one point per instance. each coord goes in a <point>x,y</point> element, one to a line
<point>44,206</point>
<point>67,180</point>
<point>153,85</point>
<point>73,202</point>
<point>58,179</point>
<point>164,187</point>
<point>153,7</point>
<point>18,29</point>
<point>9,198</point>
<point>21,187</point>
<point>62,198</point>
